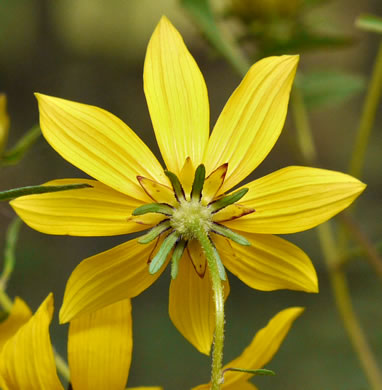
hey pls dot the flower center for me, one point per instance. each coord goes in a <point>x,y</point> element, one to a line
<point>190,215</point>
<point>191,218</point>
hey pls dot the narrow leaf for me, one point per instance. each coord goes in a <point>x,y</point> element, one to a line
<point>197,185</point>
<point>155,232</point>
<point>227,200</point>
<point>160,208</point>
<point>164,250</point>
<point>226,232</point>
<point>32,190</point>
<point>14,155</point>
<point>369,22</point>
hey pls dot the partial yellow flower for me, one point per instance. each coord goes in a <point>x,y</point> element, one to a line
<point>4,122</point>
<point>128,176</point>
<point>263,347</point>
<point>99,350</point>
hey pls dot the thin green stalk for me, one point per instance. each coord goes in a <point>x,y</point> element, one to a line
<point>304,137</point>
<point>345,308</point>
<point>339,284</point>
<point>367,118</point>
<point>217,286</point>
<point>9,251</point>
<point>5,302</point>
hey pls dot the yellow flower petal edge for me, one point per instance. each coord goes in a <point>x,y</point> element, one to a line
<point>264,346</point>
<point>252,119</point>
<point>26,360</point>
<point>177,98</point>
<point>145,388</point>
<point>19,315</point>
<point>96,211</point>
<point>296,198</point>
<point>270,263</point>
<point>108,277</point>
<point>191,305</point>
<point>99,348</point>
<point>98,143</point>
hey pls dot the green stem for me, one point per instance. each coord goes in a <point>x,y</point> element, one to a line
<point>345,307</point>
<point>217,286</point>
<point>367,117</point>
<point>304,136</point>
<point>5,302</point>
<point>9,251</point>
<point>339,284</point>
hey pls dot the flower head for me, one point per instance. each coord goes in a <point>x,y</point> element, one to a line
<point>132,192</point>
<point>99,349</point>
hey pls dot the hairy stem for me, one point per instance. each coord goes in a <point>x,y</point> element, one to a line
<point>217,354</point>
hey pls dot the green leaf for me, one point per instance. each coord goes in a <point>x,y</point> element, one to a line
<point>160,208</point>
<point>260,371</point>
<point>328,87</point>
<point>32,190</point>
<point>369,22</point>
<point>203,16</point>
<point>14,155</point>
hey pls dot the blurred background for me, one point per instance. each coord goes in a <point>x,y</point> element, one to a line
<point>92,51</point>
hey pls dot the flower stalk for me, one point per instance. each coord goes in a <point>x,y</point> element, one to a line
<point>217,286</point>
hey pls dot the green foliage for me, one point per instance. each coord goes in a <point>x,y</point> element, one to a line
<point>369,23</point>
<point>324,88</point>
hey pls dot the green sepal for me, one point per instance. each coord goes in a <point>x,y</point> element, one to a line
<point>153,233</point>
<point>197,185</point>
<point>227,200</point>
<point>164,250</point>
<point>160,208</point>
<point>176,185</point>
<point>219,263</point>
<point>176,256</point>
<point>260,371</point>
<point>32,190</point>
<point>226,232</point>
<point>14,155</point>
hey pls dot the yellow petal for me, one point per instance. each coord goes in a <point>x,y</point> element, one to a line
<point>213,183</point>
<point>98,143</point>
<point>191,305</point>
<point>177,98</point>
<point>270,263</point>
<point>145,388</point>
<point>197,257</point>
<point>186,176</point>
<point>4,122</point>
<point>242,385</point>
<point>293,199</point>
<point>252,119</point>
<point>99,348</point>
<point>231,212</point>
<point>263,346</point>
<point>96,211</point>
<point>158,192</point>
<point>27,360</point>
<point>19,315</point>
<point>108,277</point>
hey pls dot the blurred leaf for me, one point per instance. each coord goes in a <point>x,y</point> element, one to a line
<point>203,16</point>
<point>329,87</point>
<point>369,22</point>
<point>14,155</point>
<point>303,40</point>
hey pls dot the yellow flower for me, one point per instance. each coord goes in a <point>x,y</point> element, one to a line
<point>263,347</point>
<point>99,349</point>
<point>4,122</point>
<point>127,176</point>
